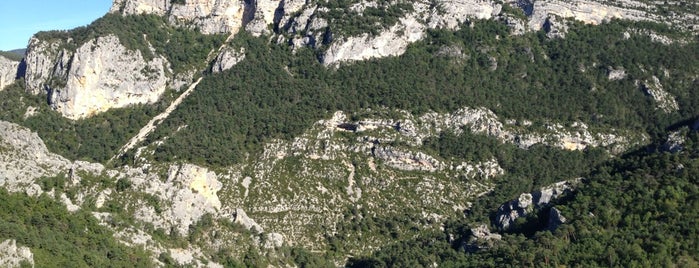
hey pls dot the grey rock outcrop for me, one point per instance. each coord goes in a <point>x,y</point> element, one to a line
<point>406,160</point>
<point>586,11</point>
<point>555,27</point>
<point>13,256</point>
<point>101,74</point>
<point>41,59</point>
<point>96,80</point>
<point>663,99</point>
<point>210,16</point>
<point>228,58</point>
<point>8,71</point>
<point>482,232</point>
<point>528,203</point>
<point>615,74</point>
<point>213,16</point>
<point>190,191</point>
<point>136,7</point>
<point>392,42</point>
<point>452,13</point>
<point>481,238</point>
<point>517,26</point>
<point>410,28</point>
<point>675,141</point>
<point>240,217</point>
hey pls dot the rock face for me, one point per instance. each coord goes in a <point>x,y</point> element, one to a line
<point>191,192</point>
<point>586,11</point>
<point>101,74</point>
<point>13,256</point>
<point>392,42</point>
<point>527,203</point>
<point>96,80</point>
<point>128,7</point>
<point>209,16</point>
<point>555,27</point>
<point>481,238</point>
<point>308,23</point>
<point>675,141</point>
<point>615,74</point>
<point>241,218</point>
<point>412,27</point>
<point>41,59</point>
<point>8,71</point>
<point>228,58</point>
<point>663,99</point>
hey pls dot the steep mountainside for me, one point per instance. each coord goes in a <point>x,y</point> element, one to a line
<point>355,133</point>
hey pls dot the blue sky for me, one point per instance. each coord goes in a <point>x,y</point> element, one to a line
<point>20,19</point>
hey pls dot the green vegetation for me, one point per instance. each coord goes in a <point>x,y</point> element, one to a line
<point>274,94</point>
<point>59,238</point>
<point>11,55</point>
<point>525,170</point>
<point>96,138</point>
<point>639,210</point>
<point>373,19</point>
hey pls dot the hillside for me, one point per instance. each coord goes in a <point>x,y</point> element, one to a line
<point>452,133</point>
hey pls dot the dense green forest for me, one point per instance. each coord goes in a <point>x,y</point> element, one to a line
<point>231,114</point>
<point>639,210</point>
<point>96,138</point>
<point>99,138</point>
<point>59,238</point>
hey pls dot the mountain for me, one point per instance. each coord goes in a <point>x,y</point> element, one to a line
<point>355,133</point>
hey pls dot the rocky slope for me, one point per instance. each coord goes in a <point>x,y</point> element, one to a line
<point>337,166</point>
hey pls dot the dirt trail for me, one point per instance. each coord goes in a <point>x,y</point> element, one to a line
<point>148,128</point>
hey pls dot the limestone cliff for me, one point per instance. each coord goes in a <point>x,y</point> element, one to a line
<point>312,23</point>
<point>210,16</point>
<point>8,71</point>
<point>389,43</point>
<point>96,80</point>
<point>101,74</point>
<point>227,58</point>
<point>586,11</point>
<point>42,59</point>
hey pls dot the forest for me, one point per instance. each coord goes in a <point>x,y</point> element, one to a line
<point>231,114</point>
<point>639,210</point>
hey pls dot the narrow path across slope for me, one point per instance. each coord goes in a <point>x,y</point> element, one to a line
<point>148,128</point>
